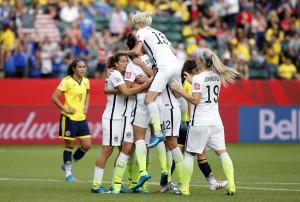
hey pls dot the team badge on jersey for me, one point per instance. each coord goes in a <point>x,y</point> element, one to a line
<point>68,133</point>
<point>116,138</point>
<point>61,84</point>
<point>117,80</point>
<point>128,134</point>
<point>197,86</point>
<point>128,75</point>
<point>138,37</point>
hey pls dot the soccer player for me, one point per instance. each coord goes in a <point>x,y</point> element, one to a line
<point>73,124</point>
<point>112,118</point>
<point>190,67</point>
<point>143,66</point>
<point>206,127</point>
<point>162,52</point>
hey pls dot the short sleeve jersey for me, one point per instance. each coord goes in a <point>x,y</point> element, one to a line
<point>132,71</point>
<point>115,103</point>
<point>156,45</point>
<point>75,96</point>
<point>207,111</point>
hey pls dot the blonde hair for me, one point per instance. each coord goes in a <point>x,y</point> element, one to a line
<point>143,17</point>
<point>225,73</point>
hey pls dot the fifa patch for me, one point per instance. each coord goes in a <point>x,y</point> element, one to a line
<point>68,133</point>
<point>128,134</point>
<point>116,138</point>
<point>196,86</point>
<point>138,37</point>
<point>61,84</point>
<point>128,75</point>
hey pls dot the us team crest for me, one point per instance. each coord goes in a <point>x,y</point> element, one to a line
<point>128,134</point>
<point>117,79</point>
<point>197,86</point>
<point>116,138</point>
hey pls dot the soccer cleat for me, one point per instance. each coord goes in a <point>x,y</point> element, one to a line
<point>231,190</point>
<point>182,192</point>
<point>141,181</point>
<point>100,190</point>
<point>168,187</point>
<point>62,167</point>
<point>155,140</point>
<point>140,191</point>
<point>214,185</point>
<point>164,179</point>
<point>70,178</point>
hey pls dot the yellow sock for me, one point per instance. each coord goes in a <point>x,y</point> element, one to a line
<point>120,170</point>
<point>188,164</point>
<point>162,156</point>
<point>141,155</point>
<point>169,165</point>
<point>228,169</point>
<point>178,158</point>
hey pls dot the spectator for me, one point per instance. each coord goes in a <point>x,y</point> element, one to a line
<point>164,7</point>
<point>46,58</point>
<point>287,70</point>
<point>272,53</point>
<point>117,22</point>
<point>146,5</point>
<point>263,7</point>
<point>69,12</point>
<point>258,28</point>
<point>86,27</point>
<point>20,61</point>
<point>232,9</point>
<point>181,10</point>
<point>56,61</point>
<point>7,37</point>
<point>242,67</point>
<point>10,68</point>
<point>5,11</point>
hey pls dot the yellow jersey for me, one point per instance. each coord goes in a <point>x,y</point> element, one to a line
<point>287,70</point>
<point>186,87</point>
<point>75,96</point>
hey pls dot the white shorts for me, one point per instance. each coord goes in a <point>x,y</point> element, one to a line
<point>127,130</point>
<point>141,116</point>
<point>166,74</point>
<point>171,121</point>
<point>205,137</point>
<point>148,135</point>
<point>112,132</point>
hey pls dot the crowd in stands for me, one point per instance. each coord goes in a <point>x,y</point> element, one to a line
<point>39,38</point>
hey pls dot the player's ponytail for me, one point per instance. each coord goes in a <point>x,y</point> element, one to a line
<point>225,73</point>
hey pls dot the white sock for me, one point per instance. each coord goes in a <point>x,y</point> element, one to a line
<point>177,155</point>
<point>98,175</point>
<point>68,169</point>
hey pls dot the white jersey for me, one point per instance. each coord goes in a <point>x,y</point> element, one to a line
<point>156,45</point>
<point>206,112</point>
<point>133,70</point>
<point>115,103</point>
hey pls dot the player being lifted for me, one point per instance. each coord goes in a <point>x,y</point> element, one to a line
<point>162,52</point>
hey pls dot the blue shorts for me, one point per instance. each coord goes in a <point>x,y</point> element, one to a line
<point>69,129</point>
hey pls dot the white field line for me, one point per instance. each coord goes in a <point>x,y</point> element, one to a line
<point>192,184</point>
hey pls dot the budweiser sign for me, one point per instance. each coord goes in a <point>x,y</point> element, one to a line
<point>40,125</point>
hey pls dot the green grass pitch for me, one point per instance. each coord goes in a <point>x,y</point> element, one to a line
<point>263,172</point>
